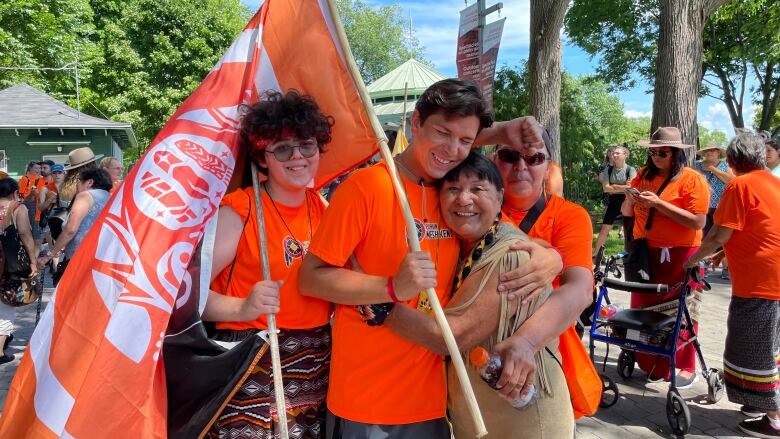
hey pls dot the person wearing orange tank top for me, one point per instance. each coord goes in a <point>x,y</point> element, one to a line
<point>383,386</point>
<point>284,135</point>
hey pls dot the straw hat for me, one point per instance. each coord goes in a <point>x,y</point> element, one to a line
<point>664,136</point>
<point>80,157</point>
<point>712,145</point>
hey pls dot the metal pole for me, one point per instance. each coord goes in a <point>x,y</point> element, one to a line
<point>78,96</point>
<point>480,35</point>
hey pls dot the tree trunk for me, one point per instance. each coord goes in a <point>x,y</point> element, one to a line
<point>678,70</point>
<point>770,94</point>
<point>544,67</point>
<point>733,103</point>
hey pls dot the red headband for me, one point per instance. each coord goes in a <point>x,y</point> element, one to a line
<point>262,143</point>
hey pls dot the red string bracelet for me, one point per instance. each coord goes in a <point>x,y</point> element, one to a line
<point>390,290</point>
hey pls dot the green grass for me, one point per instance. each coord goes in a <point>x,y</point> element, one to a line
<point>613,244</point>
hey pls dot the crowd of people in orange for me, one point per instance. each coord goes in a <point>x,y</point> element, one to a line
<point>509,258</point>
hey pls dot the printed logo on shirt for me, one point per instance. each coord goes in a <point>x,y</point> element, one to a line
<point>432,231</point>
<point>293,249</point>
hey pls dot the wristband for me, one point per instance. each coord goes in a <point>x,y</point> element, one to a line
<point>390,290</point>
<point>562,260</point>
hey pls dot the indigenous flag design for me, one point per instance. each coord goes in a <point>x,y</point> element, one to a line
<point>93,367</point>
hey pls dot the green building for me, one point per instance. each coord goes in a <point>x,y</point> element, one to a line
<point>35,126</point>
<point>387,92</point>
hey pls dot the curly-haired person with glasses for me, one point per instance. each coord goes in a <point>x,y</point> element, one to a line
<point>284,135</point>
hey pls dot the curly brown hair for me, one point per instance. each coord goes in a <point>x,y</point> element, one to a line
<point>277,112</point>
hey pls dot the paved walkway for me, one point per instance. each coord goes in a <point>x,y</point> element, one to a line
<point>640,412</point>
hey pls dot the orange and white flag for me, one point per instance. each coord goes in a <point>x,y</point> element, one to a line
<point>93,367</point>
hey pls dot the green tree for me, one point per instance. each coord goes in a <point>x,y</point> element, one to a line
<point>741,43</point>
<point>660,39</point>
<point>45,34</point>
<point>706,136</point>
<point>379,37</point>
<point>155,53</point>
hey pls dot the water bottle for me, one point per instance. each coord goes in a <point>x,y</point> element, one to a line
<point>489,367</point>
<point>610,310</point>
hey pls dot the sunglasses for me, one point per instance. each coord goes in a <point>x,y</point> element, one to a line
<point>661,154</point>
<point>284,153</point>
<point>513,157</point>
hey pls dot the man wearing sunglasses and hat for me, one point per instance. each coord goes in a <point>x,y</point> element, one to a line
<point>530,206</point>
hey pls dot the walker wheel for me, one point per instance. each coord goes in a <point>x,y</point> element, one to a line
<point>609,392</point>
<point>677,413</point>
<point>625,364</point>
<point>715,385</point>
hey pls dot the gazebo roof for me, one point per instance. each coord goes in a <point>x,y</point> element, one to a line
<point>26,107</point>
<point>416,75</point>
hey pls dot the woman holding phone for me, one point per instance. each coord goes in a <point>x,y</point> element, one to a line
<point>669,204</point>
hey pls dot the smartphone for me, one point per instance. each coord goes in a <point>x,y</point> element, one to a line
<point>632,191</point>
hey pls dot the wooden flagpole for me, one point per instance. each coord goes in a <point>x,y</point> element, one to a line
<point>273,339</point>
<point>411,229</point>
<point>402,125</point>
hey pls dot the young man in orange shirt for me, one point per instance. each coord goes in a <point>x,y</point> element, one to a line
<point>560,223</point>
<point>380,384</point>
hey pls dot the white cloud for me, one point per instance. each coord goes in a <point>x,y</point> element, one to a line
<point>715,116</point>
<point>633,114</point>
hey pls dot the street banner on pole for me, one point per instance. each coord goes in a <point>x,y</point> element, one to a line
<point>93,367</point>
<point>491,40</point>
<point>477,59</point>
<point>468,54</point>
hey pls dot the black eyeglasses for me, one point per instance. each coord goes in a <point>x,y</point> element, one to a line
<point>285,152</point>
<point>513,157</point>
<point>661,154</point>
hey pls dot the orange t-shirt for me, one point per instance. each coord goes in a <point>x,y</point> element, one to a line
<point>25,186</point>
<point>689,191</point>
<point>566,226</point>
<point>285,254</point>
<point>749,205</point>
<point>377,377</point>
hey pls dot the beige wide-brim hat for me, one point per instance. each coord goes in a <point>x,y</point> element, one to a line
<point>712,145</point>
<point>80,157</point>
<point>665,136</point>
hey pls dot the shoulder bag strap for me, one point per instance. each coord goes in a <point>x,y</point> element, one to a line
<point>651,214</point>
<point>533,214</point>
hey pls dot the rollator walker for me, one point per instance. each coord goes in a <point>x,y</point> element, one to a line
<point>648,331</point>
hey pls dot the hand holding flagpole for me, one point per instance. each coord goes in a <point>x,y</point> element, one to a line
<point>273,339</point>
<point>411,229</point>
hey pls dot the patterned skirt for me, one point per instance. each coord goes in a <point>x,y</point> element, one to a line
<point>752,353</point>
<point>251,412</point>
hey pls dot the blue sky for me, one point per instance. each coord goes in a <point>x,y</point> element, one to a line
<point>435,24</point>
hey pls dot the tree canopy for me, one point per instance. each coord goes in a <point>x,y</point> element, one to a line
<point>379,37</point>
<point>741,46</point>
<point>138,59</point>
